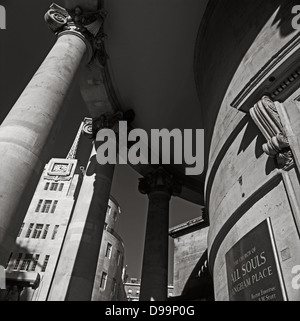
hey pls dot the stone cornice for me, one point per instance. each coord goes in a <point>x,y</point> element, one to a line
<point>278,78</point>
<point>188,227</point>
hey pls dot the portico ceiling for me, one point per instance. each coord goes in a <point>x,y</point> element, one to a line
<point>151,47</point>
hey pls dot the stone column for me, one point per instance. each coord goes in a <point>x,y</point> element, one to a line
<point>31,125</point>
<point>159,186</point>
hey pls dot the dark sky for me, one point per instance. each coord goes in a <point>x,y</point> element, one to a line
<point>23,46</point>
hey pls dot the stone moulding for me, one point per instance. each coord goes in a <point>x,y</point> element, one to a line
<point>278,78</point>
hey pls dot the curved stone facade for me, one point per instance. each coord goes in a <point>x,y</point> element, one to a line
<point>108,285</point>
<point>244,186</point>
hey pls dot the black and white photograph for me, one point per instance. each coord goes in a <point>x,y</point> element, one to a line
<point>150,153</point>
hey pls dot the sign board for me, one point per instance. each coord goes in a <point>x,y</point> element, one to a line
<point>253,271</point>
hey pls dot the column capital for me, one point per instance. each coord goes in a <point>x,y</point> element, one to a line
<point>159,180</point>
<point>111,121</point>
<point>86,26</point>
<point>106,120</point>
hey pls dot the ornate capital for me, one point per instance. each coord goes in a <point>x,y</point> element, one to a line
<point>159,180</point>
<point>87,127</point>
<point>266,117</point>
<point>111,121</point>
<point>87,26</point>
<point>106,120</point>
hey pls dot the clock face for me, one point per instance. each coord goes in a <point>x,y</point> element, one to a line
<point>60,168</point>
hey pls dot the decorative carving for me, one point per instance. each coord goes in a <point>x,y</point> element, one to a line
<point>285,83</point>
<point>87,26</point>
<point>57,17</point>
<point>87,127</point>
<point>111,121</point>
<point>159,180</point>
<point>106,120</point>
<point>59,171</point>
<point>267,119</point>
<point>84,128</point>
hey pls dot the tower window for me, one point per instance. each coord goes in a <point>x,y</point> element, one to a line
<point>54,206</point>
<point>37,231</point>
<point>29,230</point>
<point>46,260</point>
<point>118,258</point>
<point>103,280</point>
<point>46,186</point>
<point>54,232</point>
<point>11,253</point>
<point>45,231</point>
<point>114,286</point>
<point>61,186</point>
<point>26,262</point>
<point>108,250</point>
<point>21,229</point>
<point>38,207</point>
<point>46,206</point>
<point>53,186</point>
<point>35,262</point>
<point>18,261</point>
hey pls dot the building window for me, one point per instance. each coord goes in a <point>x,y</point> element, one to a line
<point>35,262</point>
<point>108,250</point>
<point>45,232</point>
<point>61,186</point>
<point>103,280</point>
<point>105,226</point>
<point>46,260</point>
<point>118,258</point>
<point>114,287</point>
<point>18,261</point>
<point>108,209</point>
<point>54,206</point>
<point>46,206</point>
<point>38,207</point>
<point>21,229</point>
<point>54,232</point>
<point>26,262</point>
<point>46,186</point>
<point>29,230</point>
<point>53,186</point>
<point>11,253</point>
<point>37,231</point>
